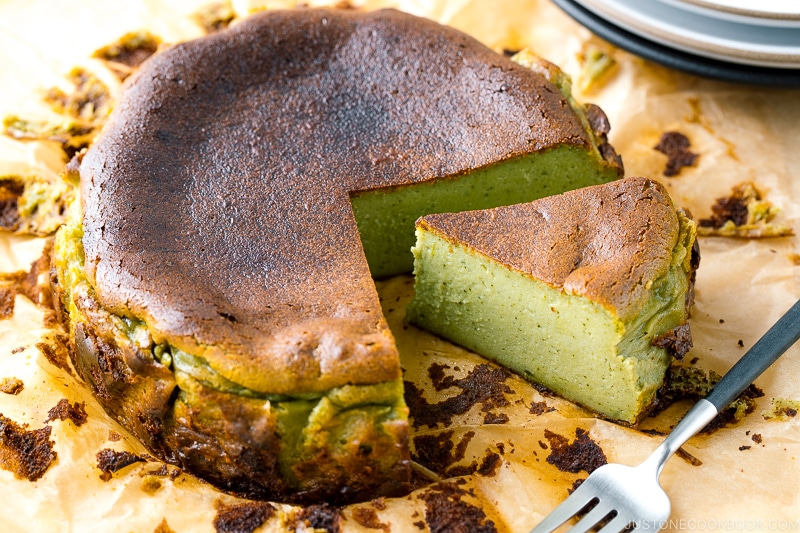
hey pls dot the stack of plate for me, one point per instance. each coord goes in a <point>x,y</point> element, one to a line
<point>750,41</point>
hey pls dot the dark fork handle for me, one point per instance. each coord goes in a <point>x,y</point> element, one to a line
<point>778,339</point>
<point>784,333</point>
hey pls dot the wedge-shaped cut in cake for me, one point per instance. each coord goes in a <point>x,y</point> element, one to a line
<point>586,293</point>
<point>216,277</point>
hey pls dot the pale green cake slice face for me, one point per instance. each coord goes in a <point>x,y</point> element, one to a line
<point>576,292</point>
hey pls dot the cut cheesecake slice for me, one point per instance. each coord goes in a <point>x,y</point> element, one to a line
<point>585,293</point>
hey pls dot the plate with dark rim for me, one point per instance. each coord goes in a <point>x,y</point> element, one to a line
<point>698,34</point>
<point>679,59</point>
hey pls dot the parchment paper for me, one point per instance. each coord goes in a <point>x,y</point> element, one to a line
<point>741,133</point>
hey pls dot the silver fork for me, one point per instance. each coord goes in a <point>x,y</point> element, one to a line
<point>617,497</point>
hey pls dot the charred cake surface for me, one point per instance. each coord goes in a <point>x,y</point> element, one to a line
<point>570,241</point>
<point>217,202</point>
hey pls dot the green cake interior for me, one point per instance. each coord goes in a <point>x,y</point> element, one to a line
<point>573,346</point>
<point>386,218</point>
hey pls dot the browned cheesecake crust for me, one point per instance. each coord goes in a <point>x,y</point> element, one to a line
<point>216,203</point>
<point>606,261</point>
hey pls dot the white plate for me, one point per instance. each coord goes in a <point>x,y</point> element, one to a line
<point>782,13</point>
<point>692,32</point>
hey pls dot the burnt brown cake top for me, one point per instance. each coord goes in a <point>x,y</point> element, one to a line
<point>607,242</point>
<point>217,200</point>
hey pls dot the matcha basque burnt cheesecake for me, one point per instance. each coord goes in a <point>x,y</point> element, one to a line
<point>586,293</point>
<point>216,273</point>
